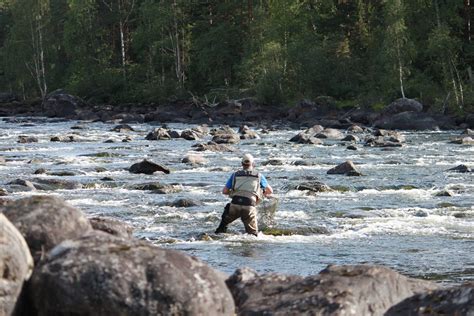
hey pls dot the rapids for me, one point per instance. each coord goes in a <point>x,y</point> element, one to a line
<point>391,215</point>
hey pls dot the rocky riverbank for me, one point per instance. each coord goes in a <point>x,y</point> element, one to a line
<point>55,261</point>
<point>407,114</point>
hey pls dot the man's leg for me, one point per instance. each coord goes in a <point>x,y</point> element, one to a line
<point>249,218</point>
<point>230,214</point>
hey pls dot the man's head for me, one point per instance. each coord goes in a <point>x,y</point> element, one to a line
<point>248,161</point>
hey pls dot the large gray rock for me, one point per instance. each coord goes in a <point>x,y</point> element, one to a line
<point>458,300</point>
<point>61,104</point>
<point>403,105</point>
<point>45,221</point>
<point>147,167</point>
<point>16,265</point>
<point>337,290</point>
<point>408,121</point>
<point>100,274</point>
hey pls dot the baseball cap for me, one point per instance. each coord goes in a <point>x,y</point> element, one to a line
<point>247,159</point>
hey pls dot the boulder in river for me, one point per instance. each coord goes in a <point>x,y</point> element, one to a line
<point>350,138</point>
<point>449,301</point>
<point>461,168</point>
<point>55,184</point>
<point>16,265</point>
<point>337,290</point>
<point>158,134</point>
<point>347,168</point>
<point>213,146</point>
<point>185,203</point>
<point>330,133</point>
<point>100,274</point>
<point>123,128</point>
<point>190,134</point>
<point>247,133</point>
<point>147,167</point>
<point>468,132</point>
<point>45,221</point>
<point>355,129</point>
<point>463,141</point>
<point>194,159</point>
<point>231,138</point>
<point>23,139</point>
<point>313,186</point>
<point>156,187</point>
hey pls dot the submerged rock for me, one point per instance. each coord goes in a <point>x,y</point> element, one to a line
<point>102,274</point>
<point>16,265</point>
<point>147,167</point>
<point>185,203</point>
<point>313,186</point>
<point>45,221</point>
<point>337,290</point>
<point>155,187</point>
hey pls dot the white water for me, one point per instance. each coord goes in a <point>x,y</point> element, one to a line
<point>389,216</point>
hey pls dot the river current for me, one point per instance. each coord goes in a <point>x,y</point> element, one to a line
<point>391,215</point>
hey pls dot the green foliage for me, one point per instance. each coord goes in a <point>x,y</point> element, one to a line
<point>359,52</point>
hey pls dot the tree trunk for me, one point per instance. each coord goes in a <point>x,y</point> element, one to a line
<point>400,69</point>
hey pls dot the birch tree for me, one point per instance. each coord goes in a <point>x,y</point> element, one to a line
<point>396,40</point>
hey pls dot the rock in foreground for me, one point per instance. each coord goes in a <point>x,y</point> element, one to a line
<point>454,301</point>
<point>100,274</point>
<point>16,265</point>
<point>45,221</point>
<point>337,290</point>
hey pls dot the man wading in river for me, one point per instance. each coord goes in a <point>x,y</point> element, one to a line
<point>246,187</point>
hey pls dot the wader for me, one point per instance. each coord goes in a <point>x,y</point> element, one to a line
<point>245,193</point>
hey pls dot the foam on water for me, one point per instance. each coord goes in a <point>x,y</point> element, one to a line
<point>391,215</point>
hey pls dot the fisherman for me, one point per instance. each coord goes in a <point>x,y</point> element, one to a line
<point>247,188</point>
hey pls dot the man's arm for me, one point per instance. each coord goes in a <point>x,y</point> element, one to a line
<point>267,189</point>
<point>228,185</point>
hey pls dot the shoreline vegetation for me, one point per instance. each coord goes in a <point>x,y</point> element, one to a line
<point>349,54</point>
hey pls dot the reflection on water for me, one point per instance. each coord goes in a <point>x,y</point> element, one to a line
<point>393,215</point>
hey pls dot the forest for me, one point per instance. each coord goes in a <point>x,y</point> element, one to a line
<point>358,52</point>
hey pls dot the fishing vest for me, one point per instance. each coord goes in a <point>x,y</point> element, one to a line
<point>246,183</point>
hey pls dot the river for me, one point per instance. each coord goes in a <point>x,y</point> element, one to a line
<point>390,216</point>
